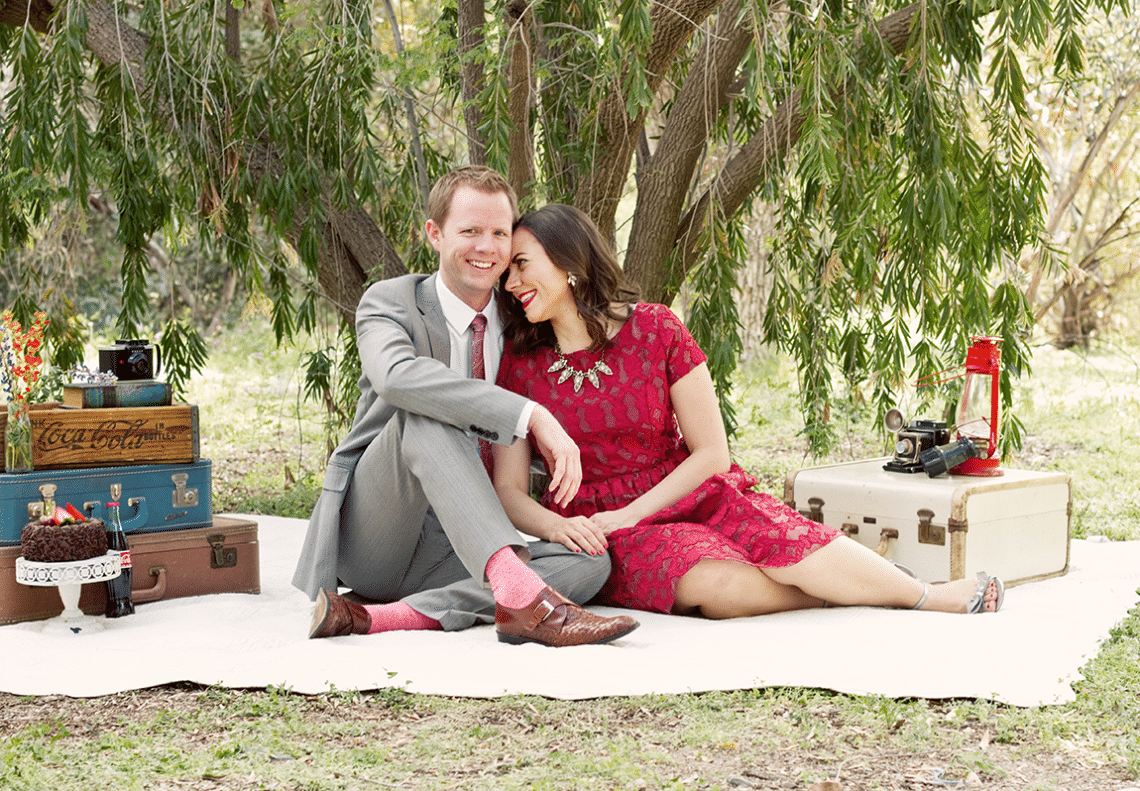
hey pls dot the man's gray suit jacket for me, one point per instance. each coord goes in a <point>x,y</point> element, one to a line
<point>405,355</point>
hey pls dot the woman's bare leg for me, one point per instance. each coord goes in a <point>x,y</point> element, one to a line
<point>728,589</point>
<point>847,573</point>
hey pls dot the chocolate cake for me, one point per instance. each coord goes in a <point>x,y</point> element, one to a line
<point>50,543</point>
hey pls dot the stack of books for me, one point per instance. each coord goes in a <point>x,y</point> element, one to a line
<point>129,393</point>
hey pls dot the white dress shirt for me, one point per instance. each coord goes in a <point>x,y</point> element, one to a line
<point>459,315</point>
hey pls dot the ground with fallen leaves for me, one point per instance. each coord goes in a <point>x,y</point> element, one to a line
<point>813,741</point>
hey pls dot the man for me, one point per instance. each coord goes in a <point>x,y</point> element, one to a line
<point>408,514</point>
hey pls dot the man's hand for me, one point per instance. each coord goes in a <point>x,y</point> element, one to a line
<point>560,452</point>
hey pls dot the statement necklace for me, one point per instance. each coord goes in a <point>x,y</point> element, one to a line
<point>568,370</point>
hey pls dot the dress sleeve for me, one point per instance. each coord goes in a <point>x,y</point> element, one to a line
<point>682,354</point>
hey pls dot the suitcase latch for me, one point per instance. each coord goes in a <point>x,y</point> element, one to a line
<point>815,509</point>
<point>183,497</point>
<point>36,510</point>
<point>929,533</point>
<point>222,557</point>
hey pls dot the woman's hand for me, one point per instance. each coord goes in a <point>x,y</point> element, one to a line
<point>579,534</point>
<point>560,452</point>
<point>609,521</point>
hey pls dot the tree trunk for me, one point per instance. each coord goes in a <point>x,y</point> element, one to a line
<point>520,161</point>
<point>36,13</point>
<point>674,24</point>
<point>472,15</point>
<point>666,178</point>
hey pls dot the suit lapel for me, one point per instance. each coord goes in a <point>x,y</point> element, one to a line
<point>427,301</point>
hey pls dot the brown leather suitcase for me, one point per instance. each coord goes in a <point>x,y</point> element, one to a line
<point>222,558</point>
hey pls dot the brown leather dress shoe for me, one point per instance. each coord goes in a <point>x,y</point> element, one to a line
<point>334,615</point>
<point>552,619</point>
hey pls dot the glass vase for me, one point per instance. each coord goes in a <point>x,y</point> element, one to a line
<point>18,438</point>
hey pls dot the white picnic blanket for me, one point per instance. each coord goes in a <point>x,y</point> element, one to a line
<point>1026,655</point>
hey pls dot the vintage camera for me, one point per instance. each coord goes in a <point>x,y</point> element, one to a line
<point>912,439</point>
<point>129,359</point>
<point>925,446</point>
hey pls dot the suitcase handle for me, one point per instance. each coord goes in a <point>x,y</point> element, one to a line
<point>156,591</point>
<point>142,513</point>
<point>885,536</point>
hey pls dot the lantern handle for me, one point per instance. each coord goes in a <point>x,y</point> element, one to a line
<point>926,381</point>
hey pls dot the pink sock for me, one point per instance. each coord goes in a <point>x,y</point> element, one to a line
<point>396,617</point>
<point>512,582</point>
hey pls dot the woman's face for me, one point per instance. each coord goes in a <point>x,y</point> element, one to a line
<point>536,282</point>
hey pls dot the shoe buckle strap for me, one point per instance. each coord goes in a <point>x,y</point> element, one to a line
<point>543,610</point>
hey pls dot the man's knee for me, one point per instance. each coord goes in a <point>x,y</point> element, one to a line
<point>597,568</point>
<point>575,575</point>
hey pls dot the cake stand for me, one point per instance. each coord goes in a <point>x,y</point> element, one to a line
<point>69,577</point>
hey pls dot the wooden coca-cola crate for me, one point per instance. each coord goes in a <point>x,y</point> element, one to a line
<point>75,438</point>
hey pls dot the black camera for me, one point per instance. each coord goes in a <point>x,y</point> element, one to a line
<point>129,359</point>
<point>924,446</point>
<point>912,439</point>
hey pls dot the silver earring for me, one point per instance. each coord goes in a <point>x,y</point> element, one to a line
<point>571,280</point>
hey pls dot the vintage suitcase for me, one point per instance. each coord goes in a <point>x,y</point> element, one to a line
<point>1014,526</point>
<point>153,497</point>
<point>221,558</point>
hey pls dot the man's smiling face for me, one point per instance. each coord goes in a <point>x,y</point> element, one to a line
<point>474,243</point>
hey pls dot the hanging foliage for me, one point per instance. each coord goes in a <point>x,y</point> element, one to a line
<point>893,142</point>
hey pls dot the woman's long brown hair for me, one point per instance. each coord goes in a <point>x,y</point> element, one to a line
<point>576,247</point>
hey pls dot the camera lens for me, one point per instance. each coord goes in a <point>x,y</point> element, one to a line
<point>942,458</point>
<point>138,364</point>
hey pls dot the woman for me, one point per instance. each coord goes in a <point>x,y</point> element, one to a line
<point>685,530</point>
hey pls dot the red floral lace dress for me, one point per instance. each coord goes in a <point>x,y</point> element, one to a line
<point>629,441</point>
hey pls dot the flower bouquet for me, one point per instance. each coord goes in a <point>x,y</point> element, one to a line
<point>20,370</point>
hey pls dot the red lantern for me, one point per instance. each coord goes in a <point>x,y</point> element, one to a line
<point>978,409</point>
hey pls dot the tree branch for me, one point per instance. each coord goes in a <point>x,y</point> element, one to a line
<point>410,111</point>
<point>666,176</point>
<point>674,23</point>
<point>1076,179</point>
<point>744,172</point>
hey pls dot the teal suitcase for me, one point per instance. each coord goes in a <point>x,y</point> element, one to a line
<point>153,498</point>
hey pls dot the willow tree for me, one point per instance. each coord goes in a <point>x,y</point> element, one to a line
<point>893,142</point>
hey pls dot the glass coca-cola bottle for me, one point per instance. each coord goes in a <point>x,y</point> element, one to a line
<point>119,601</point>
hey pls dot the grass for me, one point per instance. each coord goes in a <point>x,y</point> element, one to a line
<point>268,443</point>
<point>1082,415</point>
<point>1087,405</point>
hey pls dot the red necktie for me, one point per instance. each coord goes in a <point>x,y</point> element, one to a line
<point>478,371</point>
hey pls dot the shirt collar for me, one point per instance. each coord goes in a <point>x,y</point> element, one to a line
<point>458,313</point>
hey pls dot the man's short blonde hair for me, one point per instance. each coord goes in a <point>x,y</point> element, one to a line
<point>478,177</point>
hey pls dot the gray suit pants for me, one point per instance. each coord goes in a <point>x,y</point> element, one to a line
<point>420,520</point>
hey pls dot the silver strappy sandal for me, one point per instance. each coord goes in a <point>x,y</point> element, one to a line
<point>977,604</point>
